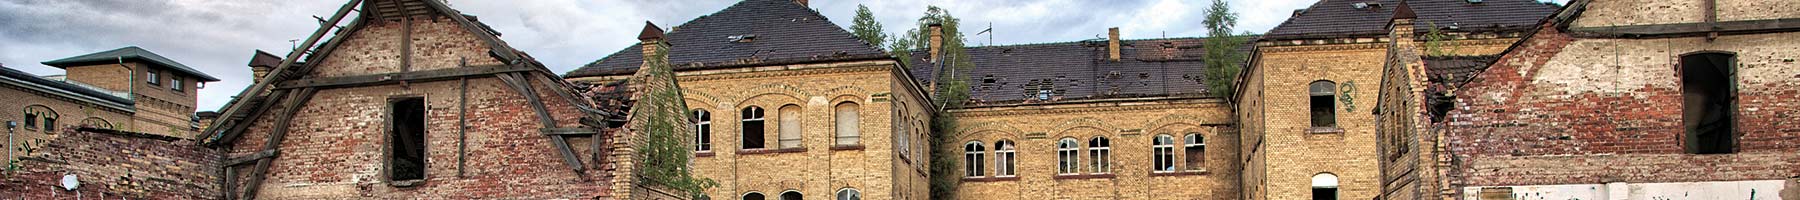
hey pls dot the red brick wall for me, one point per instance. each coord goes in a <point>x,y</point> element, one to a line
<point>115,165</point>
<point>1560,109</point>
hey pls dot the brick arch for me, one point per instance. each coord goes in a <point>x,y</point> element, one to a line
<point>700,96</point>
<point>983,128</point>
<point>1082,137</point>
<point>1090,122</point>
<point>852,98</point>
<point>1171,120</point>
<point>1178,129</point>
<point>792,99</point>
<point>848,90</point>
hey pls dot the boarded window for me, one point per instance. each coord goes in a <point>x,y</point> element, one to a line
<point>753,129</point>
<point>1195,149</point>
<point>1708,102</point>
<point>702,131</point>
<point>406,142</point>
<point>1162,153</point>
<point>1324,110</point>
<point>1067,156</point>
<point>1100,153</point>
<point>972,159</point>
<point>790,126</point>
<point>848,131</point>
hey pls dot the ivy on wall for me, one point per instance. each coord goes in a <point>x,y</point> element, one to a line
<point>665,149</point>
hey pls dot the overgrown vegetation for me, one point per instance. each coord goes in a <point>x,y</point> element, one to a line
<point>666,148</point>
<point>866,28</point>
<point>1436,42</point>
<point>952,90</point>
<point>1223,60</point>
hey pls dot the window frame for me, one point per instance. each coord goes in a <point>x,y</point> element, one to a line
<point>847,136</point>
<point>1334,185</point>
<point>153,76</point>
<point>390,159</point>
<point>784,194</point>
<point>1006,158</point>
<point>974,153</point>
<point>784,120</point>
<point>702,130</point>
<point>175,83</point>
<point>840,195</point>
<point>1100,154</point>
<point>1691,142</point>
<point>1162,147</point>
<point>1193,140</point>
<point>748,115</point>
<point>1068,153</point>
<point>1313,113</point>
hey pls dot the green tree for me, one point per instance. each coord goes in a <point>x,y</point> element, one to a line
<point>952,90</point>
<point>1223,60</point>
<point>866,28</point>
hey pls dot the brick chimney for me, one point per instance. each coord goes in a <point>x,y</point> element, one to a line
<point>1112,44</point>
<point>261,63</point>
<point>937,41</point>
<point>1401,27</point>
<point>650,38</point>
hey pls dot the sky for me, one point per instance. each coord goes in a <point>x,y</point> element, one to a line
<point>218,37</point>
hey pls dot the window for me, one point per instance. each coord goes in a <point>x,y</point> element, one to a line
<point>1708,92</point>
<point>175,83</point>
<point>972,159</point>
<point>30,121</point>
<point>702,131</point>
<point>1067,152</point>
<point>1004,157</point>
<point>790,126</point>
<point>753,129</point>
<point>406,139</point>
<point>40,114</point>
<point>1100,153</point>
<point>1195,147</point>
<point>152,76</point>
<point>792,195</point>
<point>1324,110</point>
<point>49,124</point>
<point>848,131</point>
<point>1324,186</point>
<point>753,196</point>
<point>849,194</point>
<point>1162,153</point>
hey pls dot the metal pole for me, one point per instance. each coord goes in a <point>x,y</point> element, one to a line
<point>9,141</point>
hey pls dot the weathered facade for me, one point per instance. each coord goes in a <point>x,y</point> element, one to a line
<point>126,89</point>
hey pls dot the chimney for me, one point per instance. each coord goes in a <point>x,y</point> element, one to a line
<point>1401,26</point>
<point>261,63</point>
<point>1112,44</point>
<point>802,3</point>
<point>650,38</point>
<point>937,41</point>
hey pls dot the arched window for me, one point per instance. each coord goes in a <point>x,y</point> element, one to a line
<point>1004,157</point>
<point>1324,107</point>
<point>753,196</point>
<point>752,129</point>
<point>848,129</point>
<point>1100,153</point>
<point>849,194</point>
<point>972,159</point>
<point>792,195</point>
<point>1708,88</point>
<point>702,131</point>
<point>97,122</point>
<point>1325,186</point>
<point>1195,147</point>
<point>1162,153</point>
<point>1067,156</point>
<point>40,114</point>
<point>790,126</point>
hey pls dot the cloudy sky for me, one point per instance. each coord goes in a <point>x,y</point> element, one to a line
<point>219,36</point>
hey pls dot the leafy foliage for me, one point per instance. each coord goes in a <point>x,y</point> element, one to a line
<point>1435,41</point>
<point>952,91</point>
<point>1223,60</point>
<point>866,28</point>
<point>666,149</point>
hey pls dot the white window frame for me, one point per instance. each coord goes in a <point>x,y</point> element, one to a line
<point>1162,153</point>
<point>702,127</point>
<point>1006,155</point>
<point>853,192</point>
<point>1193,140</point>
<point>1100,154</point>
<point>973,157</point>
<point>1068,157</point>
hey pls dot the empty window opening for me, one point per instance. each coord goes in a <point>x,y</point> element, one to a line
<point>791,195</point>
<point>702,131</point>
<point>1100,153</point>
<point>753,196</point>
<point>849,131</point>
<point>1325,186</point>
<point>790,126</point>
<point>1195,147</point>
<point>1162,153</point>
<point>1708,102</point>
<point>973,154</point>
<point>407,139</point>
<point>1324,111</point>
<point>1004,157</point>
<point>1067,156</point>
<point>753,129</point>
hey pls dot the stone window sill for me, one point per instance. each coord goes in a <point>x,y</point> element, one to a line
<point>1325,130</point>
<point>1181,173</point>
<point>1085,176</point>
<point>407,183</point>
<point>990,179</point>
<point>704,154</point>
<point>770,151</point>
<point>846,147</point>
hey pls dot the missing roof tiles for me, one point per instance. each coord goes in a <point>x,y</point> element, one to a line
<point>742,38</point>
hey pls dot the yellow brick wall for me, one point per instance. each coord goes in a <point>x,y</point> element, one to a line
<point>160,110</point>
<point>70,114</point>
<point>1130,125</point>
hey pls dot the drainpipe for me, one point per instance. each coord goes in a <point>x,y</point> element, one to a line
<point>130,79</point>
<point>9,140</point>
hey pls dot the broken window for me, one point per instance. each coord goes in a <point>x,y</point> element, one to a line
<point>406,134</point>
<point>1067,156</point>
<point>849,194</point>
<point>753,128</point>
<point>1324,111</point>
<point>1325,186</point>
<point>848,129</point>
<point>791,195</point>
<point>790,126</point>
<point>972,159</point>
<point>1162,153</point>
<point>1196,151</point>
<point>1100,153</point>
<point>1708,108</point>
<point>40,114</point>
<point>1004,157</point>
<point>702,131</point>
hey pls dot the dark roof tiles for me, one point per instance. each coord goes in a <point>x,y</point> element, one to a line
<point>130,52</point>
<point>751,32</point>
<point>1017,74</point>
<point>1455,70</point>
<point>1340,18</point>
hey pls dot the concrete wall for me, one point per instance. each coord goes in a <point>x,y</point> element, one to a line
<point>1129,125</point>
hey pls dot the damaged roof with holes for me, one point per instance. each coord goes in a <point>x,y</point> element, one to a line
<point>1455,70</point>
<point>749,33</point>
<point>1344,18</point>
<point>1068,71</point>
